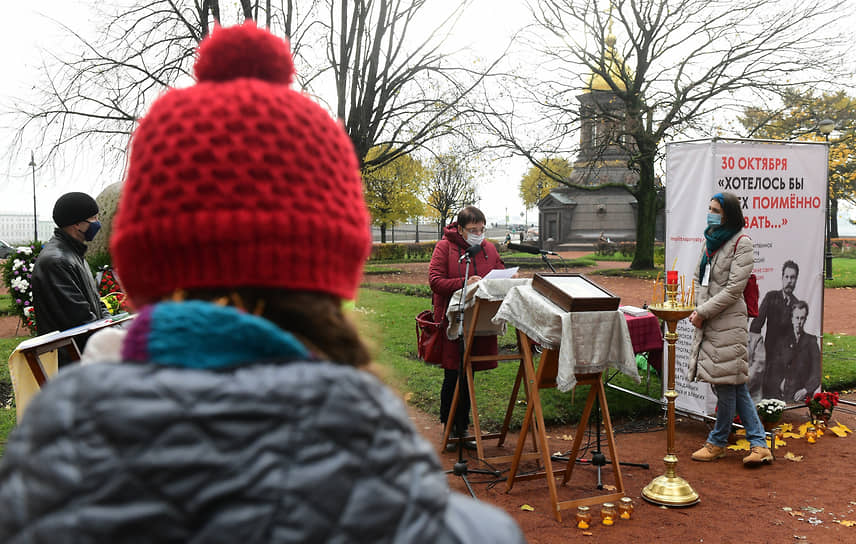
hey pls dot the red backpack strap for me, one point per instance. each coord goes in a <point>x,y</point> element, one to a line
<point>738,241</point>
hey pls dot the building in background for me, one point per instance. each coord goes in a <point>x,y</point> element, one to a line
<point>598,204</point>
<point>17,228</point>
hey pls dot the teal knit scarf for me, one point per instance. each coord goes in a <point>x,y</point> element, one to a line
<point>202,335</point>
<point>714,238</point>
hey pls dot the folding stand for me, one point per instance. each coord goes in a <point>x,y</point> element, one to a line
<point>545,377</point>
<point>479,308</point>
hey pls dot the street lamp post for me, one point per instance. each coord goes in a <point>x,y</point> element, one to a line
<point>825,127</point>
<point>35,217</point>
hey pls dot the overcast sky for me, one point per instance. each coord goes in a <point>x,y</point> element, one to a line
<point>27,34</point>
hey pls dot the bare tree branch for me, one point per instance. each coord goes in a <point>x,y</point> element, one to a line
<point>670,66</point>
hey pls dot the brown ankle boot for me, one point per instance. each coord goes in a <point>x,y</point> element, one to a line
<point>708,452</point>
<point>759,455</point>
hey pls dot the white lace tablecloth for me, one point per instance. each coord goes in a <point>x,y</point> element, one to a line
<point>490,291</point>
<point>588,342</point>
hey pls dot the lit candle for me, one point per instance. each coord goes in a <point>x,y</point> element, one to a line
<point>625,508</point>
<point>607,513</point>
<point>583,517</point>
<point>671,277</point>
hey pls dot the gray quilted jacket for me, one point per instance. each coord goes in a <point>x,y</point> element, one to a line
<point>719,352</point>
<point>298,452</point>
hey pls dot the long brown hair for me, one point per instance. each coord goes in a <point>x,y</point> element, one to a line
<point>315,318</point>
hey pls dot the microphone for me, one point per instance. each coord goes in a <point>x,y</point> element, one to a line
<point>530,249</point>
<point>470,252</point>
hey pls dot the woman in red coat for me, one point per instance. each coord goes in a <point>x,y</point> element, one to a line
<point>445,276</point>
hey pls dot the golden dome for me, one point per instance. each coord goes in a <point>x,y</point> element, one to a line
<point>614,65</point>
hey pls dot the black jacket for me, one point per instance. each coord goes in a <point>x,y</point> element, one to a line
<point>64,291</point>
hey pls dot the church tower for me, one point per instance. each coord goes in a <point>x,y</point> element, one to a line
<point>599,203</point>
<point>604,146</point>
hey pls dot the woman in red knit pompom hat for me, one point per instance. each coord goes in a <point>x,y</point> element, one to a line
<point>240,180</point>
<point>241,409</point>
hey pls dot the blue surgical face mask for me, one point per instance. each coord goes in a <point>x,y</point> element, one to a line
<point>92,230</point>
<point>714,219</point>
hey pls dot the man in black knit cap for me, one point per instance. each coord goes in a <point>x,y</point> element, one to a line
<point>64,291</point>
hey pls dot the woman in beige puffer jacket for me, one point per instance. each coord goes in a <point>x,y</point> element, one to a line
<point>719,353</point>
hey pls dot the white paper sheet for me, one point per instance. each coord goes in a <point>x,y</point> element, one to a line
<point>501,273</point>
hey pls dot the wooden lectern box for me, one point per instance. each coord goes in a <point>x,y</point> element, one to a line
<point>574,293</point>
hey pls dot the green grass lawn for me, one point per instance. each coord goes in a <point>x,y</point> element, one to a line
<point>7,411</point>
<point>6,306</point>
<point>843,273</point>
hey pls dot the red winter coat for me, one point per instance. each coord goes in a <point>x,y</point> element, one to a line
<point>445,276</point>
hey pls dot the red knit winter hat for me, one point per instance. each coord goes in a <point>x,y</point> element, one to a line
<point>240,181</point>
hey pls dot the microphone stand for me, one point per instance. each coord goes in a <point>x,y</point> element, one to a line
<point>548,263</point>
<point>598,459</point>
<point>460,468</point>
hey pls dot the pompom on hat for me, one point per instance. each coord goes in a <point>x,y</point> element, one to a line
<point>240,181</point>
<point>73,208</point>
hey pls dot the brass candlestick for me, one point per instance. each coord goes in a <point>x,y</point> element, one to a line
<point>670,489</point>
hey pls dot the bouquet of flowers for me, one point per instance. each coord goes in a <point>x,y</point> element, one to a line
<point>17,276</point>
<point>821,404</point>
<point>111,292</point>
<point>770,410</point>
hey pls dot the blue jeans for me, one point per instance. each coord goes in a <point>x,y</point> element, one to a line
<point>728,399</point>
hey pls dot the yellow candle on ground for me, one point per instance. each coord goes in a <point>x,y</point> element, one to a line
<point>583,525</point>
<point>625,515</point>
<point>607,521</point>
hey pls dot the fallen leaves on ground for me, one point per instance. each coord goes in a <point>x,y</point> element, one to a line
<point>527,508</point>
<point>741,444</point>
<point>779,443</point>
<point>791,457</point>
<point>840,430</point>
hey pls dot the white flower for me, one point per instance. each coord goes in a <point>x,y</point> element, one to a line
<point>25,250</point>
<point>771,407</point>
<point>20,284</point>
<point>18,264</point>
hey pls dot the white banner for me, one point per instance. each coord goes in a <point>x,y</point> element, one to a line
<point>782,189</point>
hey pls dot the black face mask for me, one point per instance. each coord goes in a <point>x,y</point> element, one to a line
<point>91,230</point>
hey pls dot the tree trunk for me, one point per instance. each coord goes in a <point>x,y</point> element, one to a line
<point>417,230</point>
<point>383,233</point>
<point>646,197</point>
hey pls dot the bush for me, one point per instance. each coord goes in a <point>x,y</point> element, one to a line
<point>402,252</point>
<point>843,247</point>
<point>17,277</point>
<point>420,252</point>
<point>99,261</point>
<point>659,255</point>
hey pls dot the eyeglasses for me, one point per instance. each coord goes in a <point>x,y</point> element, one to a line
<point>475,230</point>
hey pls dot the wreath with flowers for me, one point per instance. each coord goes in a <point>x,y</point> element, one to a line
<point>17,277</point>
<point>111,292</point>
